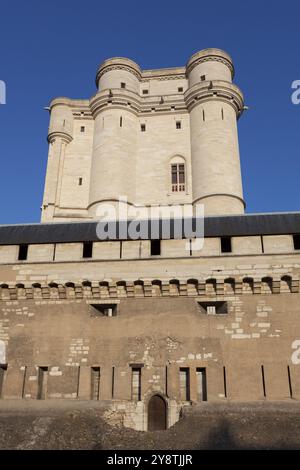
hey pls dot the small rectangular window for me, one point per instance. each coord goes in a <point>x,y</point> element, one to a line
<point>121,121</point>
<point>143,127</point>
<point>180,89</point>
<point>214,308</point>
<point>296,240</point>
<point>123,85</point>
<point>82,129</point>
<point>178,124</point>
<point>23,252</point>
<point>95,383</point>
<point>155,247</point>
<point>184,379</point>
<point>136,383</point>
<point>87,251</point>
<point>80,181</point>
<point>145,92</point>
<point>203,78</point>
<point>226,245</point>
<point>107,310</point>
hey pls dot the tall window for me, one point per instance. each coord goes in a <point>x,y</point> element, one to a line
<point>178,177</point>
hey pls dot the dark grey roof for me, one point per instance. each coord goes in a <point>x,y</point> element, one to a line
<point>237,225</point>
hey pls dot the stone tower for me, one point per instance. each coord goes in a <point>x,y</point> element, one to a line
<point>148,328</point>
<point>214,104</point>
<point>166,137</point>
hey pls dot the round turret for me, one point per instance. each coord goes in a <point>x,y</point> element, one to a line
<point>214,104</point>
<point>118,72</point>
<point>61,119</point>
<point>209,64</point>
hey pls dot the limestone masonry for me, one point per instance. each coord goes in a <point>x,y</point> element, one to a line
<point>150,326</point>
<point>165,136</point>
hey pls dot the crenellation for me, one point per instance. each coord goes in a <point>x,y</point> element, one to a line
<point>148,326</point>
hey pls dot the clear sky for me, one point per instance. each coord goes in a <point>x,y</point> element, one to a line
<point>52,48</point>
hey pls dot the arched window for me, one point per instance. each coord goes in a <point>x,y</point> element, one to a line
<point>178,177</point>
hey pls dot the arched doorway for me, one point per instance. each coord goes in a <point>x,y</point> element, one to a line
<point>157,413</point>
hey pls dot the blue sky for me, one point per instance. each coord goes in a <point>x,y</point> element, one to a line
<point>53,49</point>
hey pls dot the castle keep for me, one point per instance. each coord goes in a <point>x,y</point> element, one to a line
<point>152,325</point>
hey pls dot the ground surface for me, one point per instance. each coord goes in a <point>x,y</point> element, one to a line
<point>78,425</point>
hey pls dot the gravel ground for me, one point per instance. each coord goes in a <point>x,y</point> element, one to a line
<point>79,425</point>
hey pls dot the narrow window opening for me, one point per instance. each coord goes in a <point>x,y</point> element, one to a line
<point>121,121</point>
<point>203,115</point>
<point>166,372</point>
<point>24,382</point>
<point>290,381</point>
<point>123,85</point>
<point>222,114</point>
<point>121,248</point>
<point>184,383</point>
<point>225,382</point>
<point>54,252</point>
<point>296,239</point>
<point>178,124</point>
<point>143,127</point>
<point>79,181</point>
<point>113,383</point>
<point>191,249</point>
<point>42,383</point>
<point>203,78</point>
<point>201,384</point>
<point>226,245</point>
<point>3,369</point>
<point>145,92</point>
<point>95,383</point>
<point>180,89</point>
<point>82,129</point>
<point>155,248</point>
<point>136,373</point>
<point>262,244</point>
<point>263,381</point>
<point>87,251</point>
<point>23,252</point>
